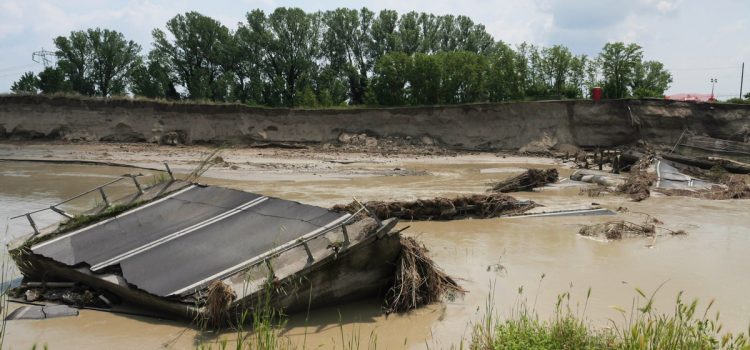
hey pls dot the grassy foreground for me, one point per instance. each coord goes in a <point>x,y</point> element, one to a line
<point>640,328</point>
<point>685,327</point>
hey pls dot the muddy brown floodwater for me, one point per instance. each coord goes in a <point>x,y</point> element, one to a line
<point>491,258</point>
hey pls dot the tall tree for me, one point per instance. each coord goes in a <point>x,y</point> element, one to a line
<point>197,55</point>
<point>506,78</point>
<point>291,39</point>
<point>346,41</point>
<point>74,60</point>
<point>425,77</point>
<point>385,36</point>
<point>97,61</point>
<point>618,63</point>
<point>463,79</point>
<point>27,84</point>
<point>409,33</point>
<point>151,79</point>
<point>390,78</point>
<point>650,79</point>
<point>52,80</point>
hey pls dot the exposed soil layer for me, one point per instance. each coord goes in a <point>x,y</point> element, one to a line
<point>489,126</point>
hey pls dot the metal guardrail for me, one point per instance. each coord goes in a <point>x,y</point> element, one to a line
<point>99,188</point>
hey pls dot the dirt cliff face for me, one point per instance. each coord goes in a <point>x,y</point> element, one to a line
<point>500,126</point>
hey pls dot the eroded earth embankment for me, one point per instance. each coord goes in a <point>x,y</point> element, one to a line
<point>497,126</point>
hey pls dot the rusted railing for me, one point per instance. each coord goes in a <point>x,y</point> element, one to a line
<point>55,207</point>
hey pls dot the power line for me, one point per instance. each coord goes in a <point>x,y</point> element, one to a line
<point>16,68</point>
<point>704,68</point>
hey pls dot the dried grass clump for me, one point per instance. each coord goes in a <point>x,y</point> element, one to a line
<point>418,280</point>
<point>616,230</point>
<point>637,185</point>
<point>217,304</point>
<point>527,181</point>
<point>477,206</point>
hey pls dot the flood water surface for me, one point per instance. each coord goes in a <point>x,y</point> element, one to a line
<point>494,258</point>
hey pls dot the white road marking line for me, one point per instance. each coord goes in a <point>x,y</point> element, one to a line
<point>178,234</point>
<point>247,263</point>
<point>40,245</point>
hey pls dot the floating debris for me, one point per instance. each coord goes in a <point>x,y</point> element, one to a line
<point>616,230</point>
<point>526,181</point>
<point>637,185</point>
<point>418,280</point>
<point>474,206</point>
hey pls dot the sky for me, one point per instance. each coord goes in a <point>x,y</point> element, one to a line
<point>696,40</point>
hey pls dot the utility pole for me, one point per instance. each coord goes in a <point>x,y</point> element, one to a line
<point>742,78</point>
<point>713,82</point>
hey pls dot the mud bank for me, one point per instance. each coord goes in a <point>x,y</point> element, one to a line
<point>504,126</point>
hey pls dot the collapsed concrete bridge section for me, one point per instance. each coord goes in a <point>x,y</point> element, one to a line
<point>165,252</point>
<point>489,126</point>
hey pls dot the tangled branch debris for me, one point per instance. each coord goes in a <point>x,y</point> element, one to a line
<point>615,230</point>
<point>527,181</point>
<point>476,206</point>
<point>637,185</point>
<point>218,301</point>
<point>418,280</point>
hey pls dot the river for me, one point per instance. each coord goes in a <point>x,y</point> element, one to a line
<point>492,259</point>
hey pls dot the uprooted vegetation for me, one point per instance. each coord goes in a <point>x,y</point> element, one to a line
<point>527,181</point>
<point>475,206</point>
<point>619,229</point>
<point>418,280</point>
<point>637,185</point>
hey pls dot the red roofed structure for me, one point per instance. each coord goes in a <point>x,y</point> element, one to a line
<point>691,97</point>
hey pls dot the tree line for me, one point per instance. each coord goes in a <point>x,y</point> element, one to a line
<point>340,57</point>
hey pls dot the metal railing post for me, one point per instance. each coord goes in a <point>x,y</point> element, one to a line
<point>169,171</point>
<point>309,253</point>
<point>61,212</point>
<point>104,197</point>
<point>346,234</point>
<point>137,184</point>
<point>33,224</point>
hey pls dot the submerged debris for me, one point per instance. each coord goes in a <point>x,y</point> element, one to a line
<point>527,181</point>
<point>730,187</point>
<point>76,295</point>
<point>418,280</point>
<point>618,230</point>
<point>637,185</point>
<point>615,230</point>
<point>478,206</point>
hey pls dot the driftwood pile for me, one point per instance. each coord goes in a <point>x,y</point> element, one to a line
<point>527,181</point>
<point>418,280</point>
<point>475,206</point>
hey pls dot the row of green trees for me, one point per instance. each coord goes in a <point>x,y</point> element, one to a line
<point>344,56</point>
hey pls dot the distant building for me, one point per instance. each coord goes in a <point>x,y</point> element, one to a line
<point>691,97</point>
